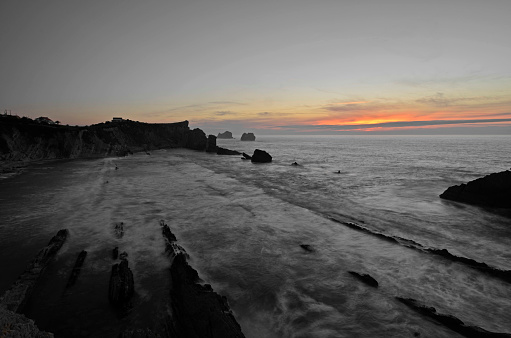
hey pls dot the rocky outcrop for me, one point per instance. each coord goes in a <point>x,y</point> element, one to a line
<point>248,137</point>
<point>225,135</point>
<point>196,139</point>
<point>246,156</point>
<point>17,325</point>
<point>224,151</point>
<point>450,321</point>
<point>261,156</point>
<point>121,287</point>
<point>211,144</point>
<point>16,297</point>
<point>77,268</point>
<point>365,278</point>
<point>493,190</point>
<point>196,310</point>
<point>26,140</point>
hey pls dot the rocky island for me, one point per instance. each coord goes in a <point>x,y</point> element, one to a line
<point>225,135</point>
<point>492,190</point>
<point>248,137</point>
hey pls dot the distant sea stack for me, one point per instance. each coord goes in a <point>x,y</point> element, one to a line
<point>225,135</point>
<point>248,137</point>
<point>493,190</point>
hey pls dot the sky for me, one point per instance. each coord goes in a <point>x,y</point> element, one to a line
<point>269,67</point>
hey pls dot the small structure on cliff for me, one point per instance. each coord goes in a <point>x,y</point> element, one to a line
<point>248,137</point>
<point>225,135</point>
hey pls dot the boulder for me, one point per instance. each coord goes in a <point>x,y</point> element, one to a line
<point>224,151</point>
<point>248,137</point>
<point>225,135</point>
<point>246,156</point>
<point>493,190</point>
<point>121,287</point>
<point>196,139</point>
<point>261,156</point>
<point>211,146</point>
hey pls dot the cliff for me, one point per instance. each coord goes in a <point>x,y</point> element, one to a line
<point>27,140</point>
<point>493,190</point>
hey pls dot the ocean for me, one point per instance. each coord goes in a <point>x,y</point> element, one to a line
<point>243,224</point>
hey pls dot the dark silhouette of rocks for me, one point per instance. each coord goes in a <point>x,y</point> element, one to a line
<point>115,252</point>
<point>365,278</point>
<point>261,156</point>
<point>225,135</point>
<point>196,310</point>
<point>16,297</point>
<point>248,137</point>
<point>196,139</point>
<point>224,151</point>
<point>77,268</point>
<point>450,321</point>
<point>121,287</point>
<point>307,247</point>
<point>492,190</point>
<point>211,144</point>
<point>295,164</point>
<point>119,229</point>
<point>246,156</point>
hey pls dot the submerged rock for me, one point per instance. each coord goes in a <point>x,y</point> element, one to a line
<point>365,278</point>
<point>224,151</point>
<point>493,190</point>
<point>307,247</point>
<point>261,156</point>
<point>225,135</point>
<point>246,156</point>
<point>77,268</point>
<point>248,137</point>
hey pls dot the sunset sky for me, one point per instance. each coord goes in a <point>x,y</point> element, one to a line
<point>270,67</point>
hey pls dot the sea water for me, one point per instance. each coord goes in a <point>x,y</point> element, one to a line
<point>243,224</point>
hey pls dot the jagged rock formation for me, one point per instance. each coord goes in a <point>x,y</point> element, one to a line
<point>121,287</point>
<point>26,140</point>
<point>248,137</point>
<point>16,297</point>
<point>211,147</point>
<point>261,156</point>
<point>196,310</point>
<point>365,278</point>
<point>493,190</point>
<point>225,135</point>
<point>77,268</point>
<point>246,156</point>
<point>450,321</point>
<point>17,325</point>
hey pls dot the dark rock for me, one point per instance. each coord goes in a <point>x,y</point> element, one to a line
<point>123,255</point>
<point>211,147</point>
<point>493,190</point>
<point>246,156</point>
<point>450,321</point>
<point>16,297</point>
<point>261,156</point>
<point>307,247</point>
<point>77,268</point>
<point>224,151</point>
<point>17,325</point>
<point>121,287</point>
<point>225,135</point>
<point>295,164</point>
<point>115,252</point>
<point>248,137</point>
<point>119,229</point>
<point>196,139</point>
<point>365,278</point>
<point>196,310</point>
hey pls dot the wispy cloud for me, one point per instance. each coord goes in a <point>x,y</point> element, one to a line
<point>399,124</point>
